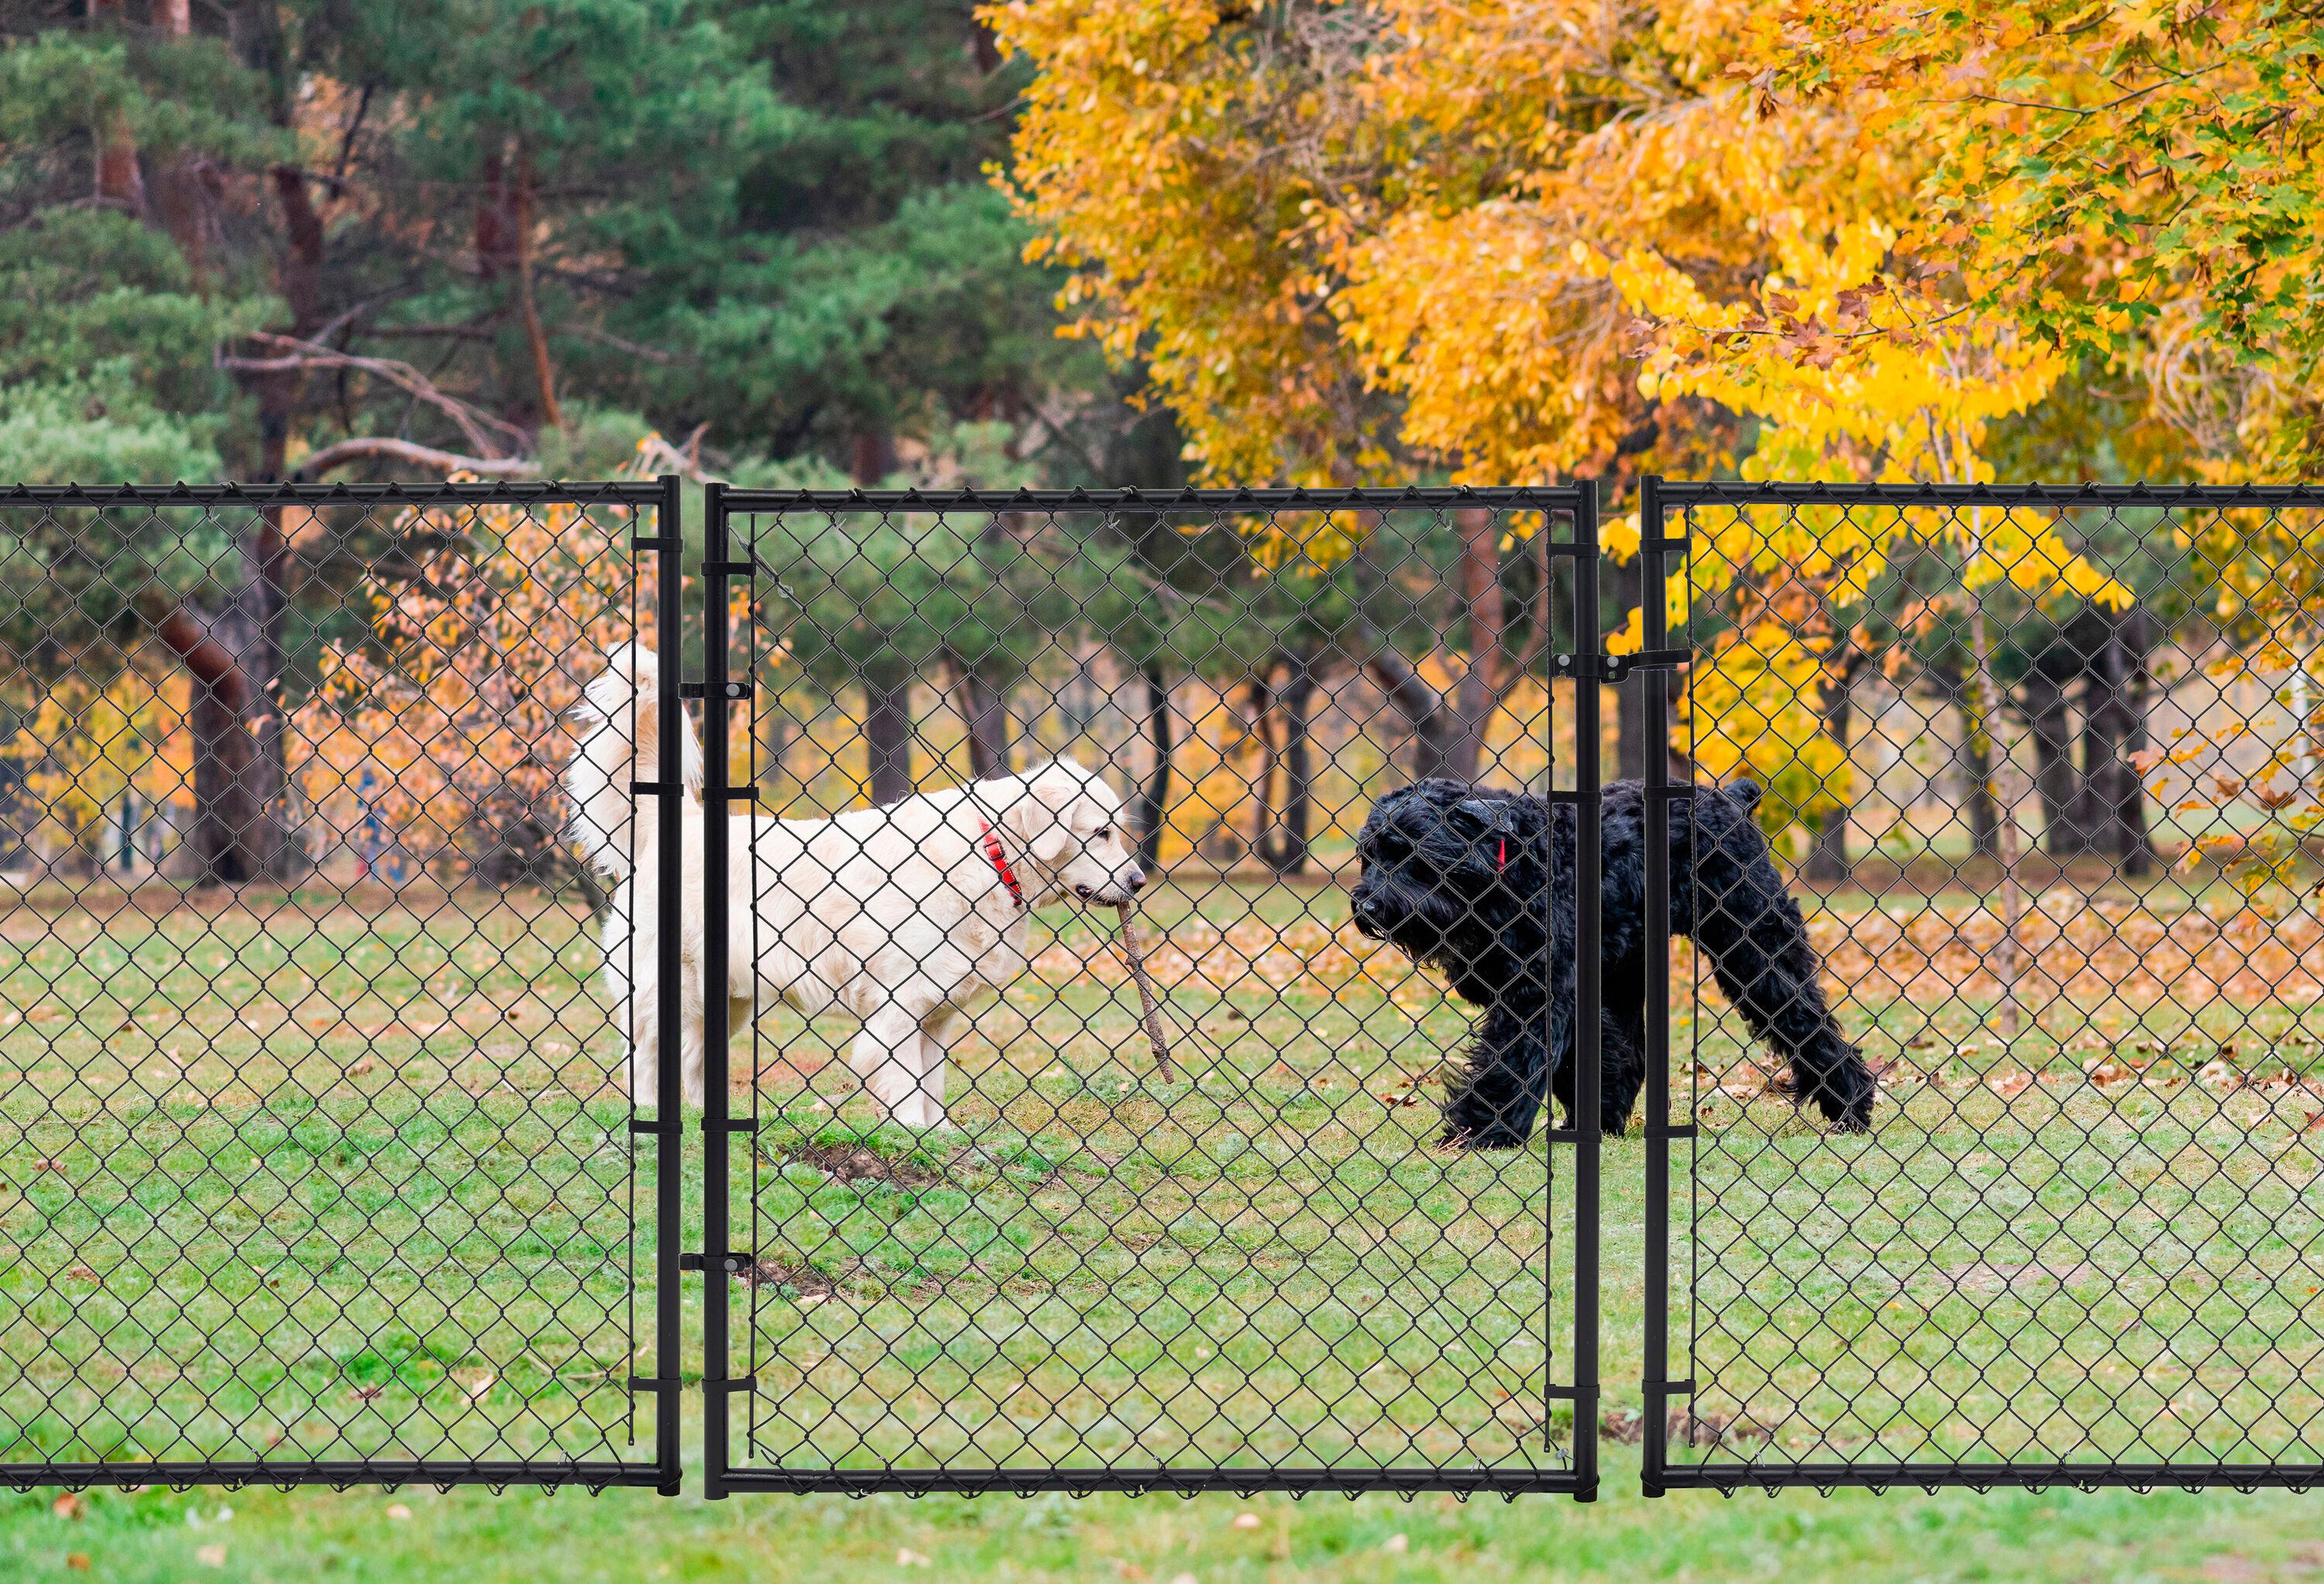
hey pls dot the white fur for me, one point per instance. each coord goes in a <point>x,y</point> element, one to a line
<point>897,914</point>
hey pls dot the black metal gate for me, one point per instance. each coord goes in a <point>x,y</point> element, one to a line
<point>312,1163</point>
<point>2078,1242</point>
<point>1199,1244</point>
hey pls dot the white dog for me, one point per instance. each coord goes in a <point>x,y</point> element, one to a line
<point>901,915</point>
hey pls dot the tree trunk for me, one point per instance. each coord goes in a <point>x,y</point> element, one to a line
<point>535,337</point>
<point>774,748</point>
<point>1828,861</point>
<point>1478,694</point>
<point>985,710</point>
<point>1283,843</point>
<point>236,723</point>
<point>887,729</point>
<point>1154,800</point>
<point>2062,834</point>
<point>119,183</point>
<point>1973,761</point>
<point>503,243</point>
<point>1259,704</point>
<point>1418,702</point>
<point>2114,727</point>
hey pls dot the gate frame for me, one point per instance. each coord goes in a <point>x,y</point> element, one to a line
<point>1659,1474</point>
<point>660,1473</point>
<point>719,1262</point>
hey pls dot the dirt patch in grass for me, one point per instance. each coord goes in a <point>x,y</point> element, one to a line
<point>803,1279</point>
<point>859,1162</point>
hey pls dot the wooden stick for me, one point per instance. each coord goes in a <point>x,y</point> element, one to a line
<point>1130,949</point>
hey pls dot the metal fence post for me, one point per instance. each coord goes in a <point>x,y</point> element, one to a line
<point>1588,988</point>
<point>669,1150</point>
<point>1653,575</point>
<point>717,1261</point>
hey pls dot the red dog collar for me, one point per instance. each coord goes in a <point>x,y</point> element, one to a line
<point>1001,863</point>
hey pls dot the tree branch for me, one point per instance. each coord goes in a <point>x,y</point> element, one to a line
<point>479,427</point>
<point>345,451</point>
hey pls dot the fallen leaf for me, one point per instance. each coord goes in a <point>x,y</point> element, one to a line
<point>397,1512</point>
<point>211,1556</point>
<point>360,1068</point>
<point>81,1273</point>
<point>2010,1084</point>
<point>1246,1521</point>
<point>67,1505</point>
<point>1396,1543</point>
<point>366,1394</point>
<point>905,1557</point>
<point>78,1560</point>
<point>474,1381</point>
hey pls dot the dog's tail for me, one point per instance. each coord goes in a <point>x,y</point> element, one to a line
<point>617,727</point>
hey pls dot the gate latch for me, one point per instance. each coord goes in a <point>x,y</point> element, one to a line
<point>729,1262</point>
<point>1613,668</point>
<point>702,690</point>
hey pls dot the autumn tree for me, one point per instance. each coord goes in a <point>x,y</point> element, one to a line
<point>2144,186</point>
<point>1342,239</point>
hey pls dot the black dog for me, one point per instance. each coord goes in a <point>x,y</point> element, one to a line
<point>1480,884</point>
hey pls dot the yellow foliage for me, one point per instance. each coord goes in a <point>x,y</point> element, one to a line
<point>79,746</point>
<point>1749,712</point>
<point>449,726</point>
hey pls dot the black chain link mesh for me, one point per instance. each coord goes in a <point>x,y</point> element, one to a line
<point>2042,764</point>
<point>1041,1261</point>
<point>315,1161</point>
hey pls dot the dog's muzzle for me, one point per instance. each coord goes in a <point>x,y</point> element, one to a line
<point>1131,885</point>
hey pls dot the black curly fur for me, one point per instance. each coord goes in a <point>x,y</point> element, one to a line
<point>1461,877</point>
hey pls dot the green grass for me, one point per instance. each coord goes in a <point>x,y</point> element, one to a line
<point>329,1177</point>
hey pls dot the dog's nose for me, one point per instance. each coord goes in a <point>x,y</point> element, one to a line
<point>1367,906</point>
<point>1135,880</point>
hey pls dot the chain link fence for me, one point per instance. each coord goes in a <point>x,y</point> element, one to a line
<point>1092,1144</point>
<point>314,1159</point>
<point>1127,963</point>
<point>2042,763</point>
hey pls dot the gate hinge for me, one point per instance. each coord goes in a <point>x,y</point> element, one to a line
<point>1611,668</point>
<point>726,1262</point>
<point>702,690</point>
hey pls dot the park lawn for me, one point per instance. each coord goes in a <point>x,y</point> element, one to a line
<point>1261,1262</point>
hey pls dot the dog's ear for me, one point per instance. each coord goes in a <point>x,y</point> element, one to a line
<point>1496,815</point>
<point>1035,814</point>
